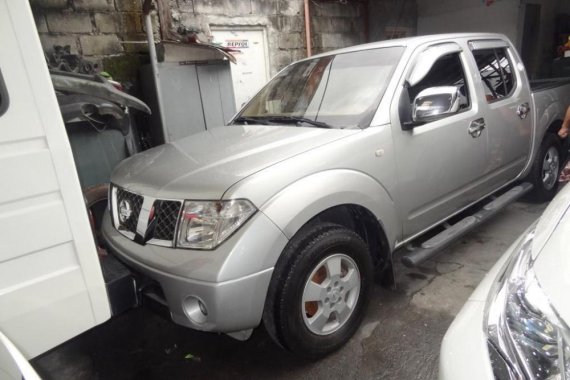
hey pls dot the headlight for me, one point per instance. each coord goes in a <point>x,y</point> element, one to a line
<point>522,325</point>
<point>206,224</point>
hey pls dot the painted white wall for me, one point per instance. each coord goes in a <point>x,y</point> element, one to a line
<point>450,16</point>
<point>251,71</point>
<point>502,16</point>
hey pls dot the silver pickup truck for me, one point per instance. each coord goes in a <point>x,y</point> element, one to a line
<point>285,215</point>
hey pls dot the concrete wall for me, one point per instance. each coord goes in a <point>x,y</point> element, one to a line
<point>389,19</point>
<point>100,30</point>
<point>333,25</point>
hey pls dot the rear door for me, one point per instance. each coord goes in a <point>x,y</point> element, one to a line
<point>440,164</point>
<point>51,285</point>
<point>505,107</point>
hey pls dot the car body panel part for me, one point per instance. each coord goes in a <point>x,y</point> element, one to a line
<point>434,245</point>
<point>230,305</point>
<point>210,162</point>
<point>94,85</point>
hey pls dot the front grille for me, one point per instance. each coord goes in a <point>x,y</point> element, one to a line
<point>166,217</point>
<point>159,228</point>
<point>135,201</point>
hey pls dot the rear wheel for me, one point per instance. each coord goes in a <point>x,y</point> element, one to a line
<point>546,169</point>
<point>318,294</point>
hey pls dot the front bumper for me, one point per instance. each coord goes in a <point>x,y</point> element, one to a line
<point>464,351</point>
<point>230,282</point>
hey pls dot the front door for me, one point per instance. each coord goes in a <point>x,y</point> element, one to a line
<point>440,163</point>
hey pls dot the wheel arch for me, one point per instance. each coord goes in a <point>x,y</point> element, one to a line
<point>361,220</point>
<point>345,197</point>
<point>553,128</point>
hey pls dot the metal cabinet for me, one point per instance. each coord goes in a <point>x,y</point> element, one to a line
<point>197,94</point>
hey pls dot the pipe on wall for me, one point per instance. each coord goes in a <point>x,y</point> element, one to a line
<point>147,7</point>
<point>308,28</point>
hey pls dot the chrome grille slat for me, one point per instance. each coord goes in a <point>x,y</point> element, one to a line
<point>136,202</point>
<point>166,217</point>
<point>161,227</point>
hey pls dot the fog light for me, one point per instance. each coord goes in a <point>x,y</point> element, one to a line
<point>202,308</point>
<point>195,309</point>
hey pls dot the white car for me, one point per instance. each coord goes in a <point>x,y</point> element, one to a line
<point>515,324</point>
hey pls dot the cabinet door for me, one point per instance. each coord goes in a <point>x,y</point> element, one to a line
<point>51,285</point>
<point>216,93</point>
<point>439,162</point>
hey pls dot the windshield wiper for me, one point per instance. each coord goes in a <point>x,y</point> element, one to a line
<point>250,120</point>
<point>299,119</point>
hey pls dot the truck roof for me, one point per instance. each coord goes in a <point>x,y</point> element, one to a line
<point>411,42</point>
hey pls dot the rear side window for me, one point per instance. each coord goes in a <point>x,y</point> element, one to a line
<point>3,95</point>
<point>496,73</point>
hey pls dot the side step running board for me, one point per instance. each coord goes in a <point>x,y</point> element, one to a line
<point>431,247</point>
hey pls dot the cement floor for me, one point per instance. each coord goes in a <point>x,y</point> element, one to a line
<point>399,338</point>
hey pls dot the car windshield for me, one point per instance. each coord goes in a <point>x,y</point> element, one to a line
<point>336,91</point>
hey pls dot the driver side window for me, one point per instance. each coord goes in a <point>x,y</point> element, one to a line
<point>447,71</point>
<point>443,92</point>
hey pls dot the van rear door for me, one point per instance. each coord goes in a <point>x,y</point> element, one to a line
<point>51,285</point>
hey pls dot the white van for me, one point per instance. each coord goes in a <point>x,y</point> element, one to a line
<point>51,282</point>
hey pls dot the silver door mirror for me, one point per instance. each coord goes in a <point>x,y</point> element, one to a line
<point>427,58</point>
<point>436,102</point>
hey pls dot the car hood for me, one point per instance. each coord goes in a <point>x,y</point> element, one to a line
<point>205,165</point>
<point>552,265</point>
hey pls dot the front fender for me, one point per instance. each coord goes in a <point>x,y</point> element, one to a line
<point>299,202</point>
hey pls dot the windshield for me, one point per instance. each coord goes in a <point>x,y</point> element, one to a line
<point>337,91</point>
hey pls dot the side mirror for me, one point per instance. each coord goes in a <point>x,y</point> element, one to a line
<point>437,102</point>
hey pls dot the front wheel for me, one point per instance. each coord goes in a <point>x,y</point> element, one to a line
<point>318,294</point>
<point>546,169</point>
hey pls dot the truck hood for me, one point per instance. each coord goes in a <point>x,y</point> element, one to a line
<point>205,165</point>
<point>552,265</point>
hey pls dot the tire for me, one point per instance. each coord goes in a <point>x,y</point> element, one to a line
<point>96,198</point>
<point>546,169</point>
<point>324,270</point>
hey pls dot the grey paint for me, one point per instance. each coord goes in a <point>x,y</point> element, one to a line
<point>195,97</point>
<point>217,93</point>
<point>411,180</point>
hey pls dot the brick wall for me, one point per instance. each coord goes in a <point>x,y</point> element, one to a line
<point>102,30</point>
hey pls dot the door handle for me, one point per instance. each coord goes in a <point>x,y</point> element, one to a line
<point>523,110</point>
<point>476,127</point>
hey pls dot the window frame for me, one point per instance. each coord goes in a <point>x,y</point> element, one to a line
<point>469,90</point>
<point>508,56</point>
